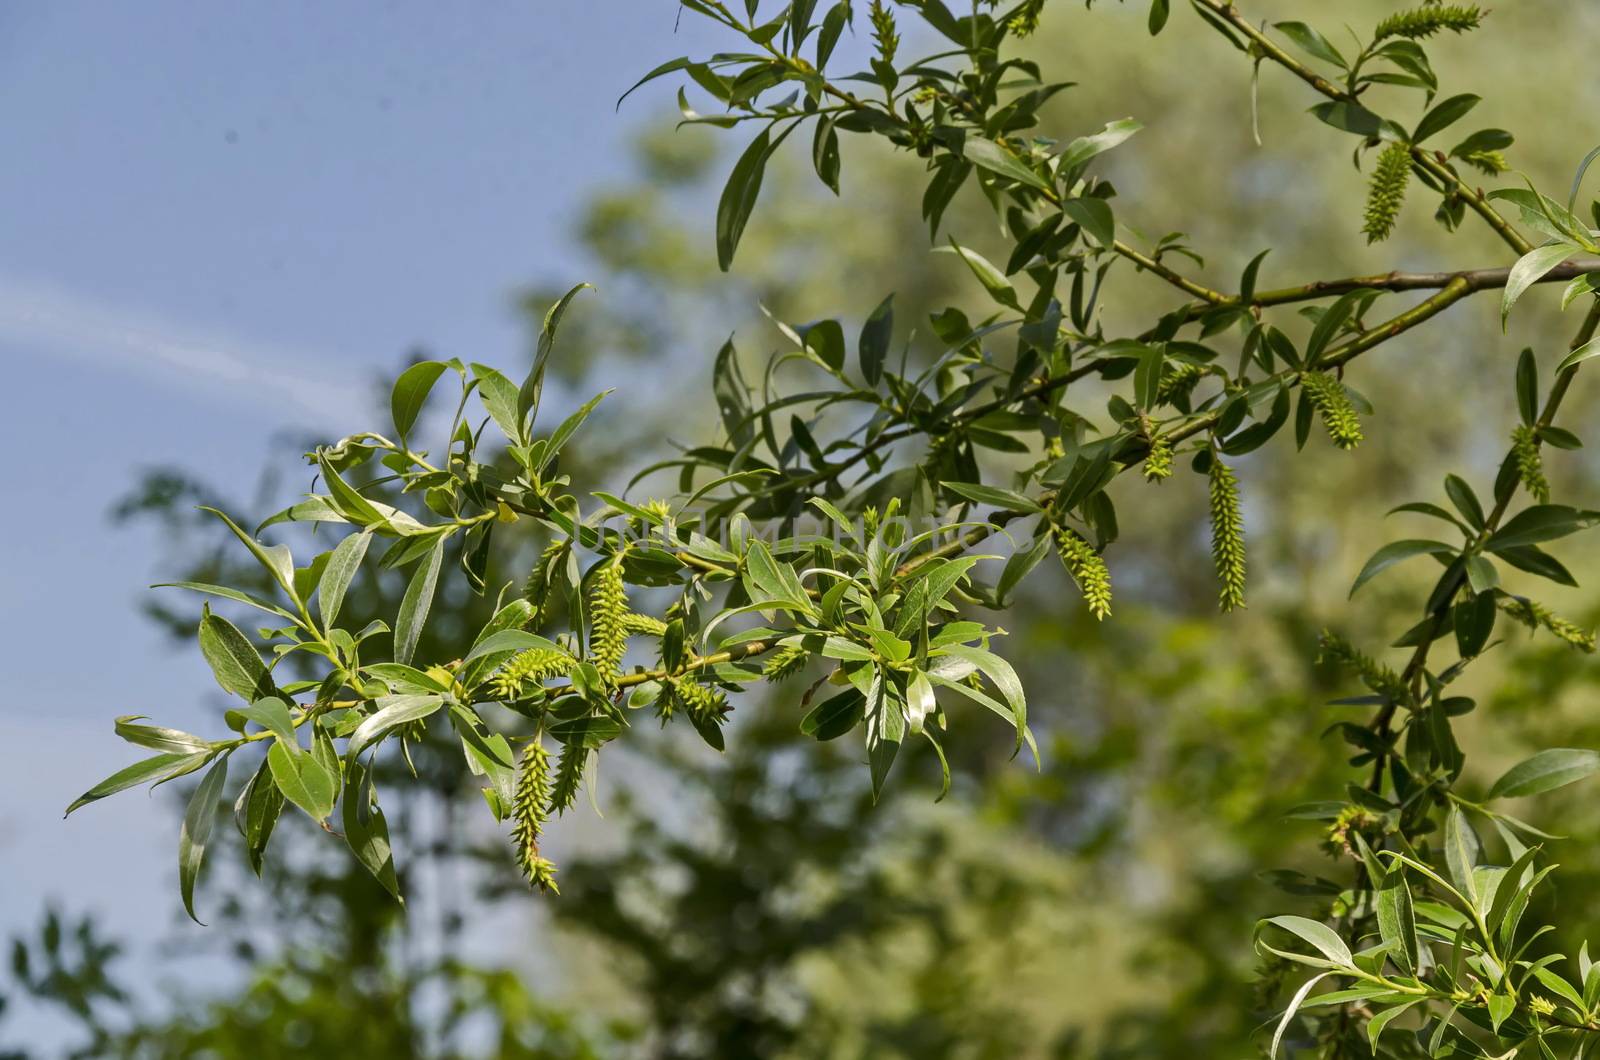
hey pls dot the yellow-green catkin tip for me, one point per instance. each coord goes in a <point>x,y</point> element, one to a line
<point>705,703</point>
<point>1537,616</point>
<point>1158,461</point>
<point>1428,20</point>
<point>1328,397</point>
<point>608,607</point>
<point>1381,679</point>
<point>1387,192</point>
<point>1179,378</point>
<point>785,663</point>
<point>569,777</point>
<point>643,625</point>
<point>526,668</point>
<point>1227,534</point>
<point>529,813</point>
<point>1087,568</point>
<point>883,30</point>
<point>1026,21</point>
<point>536,590</point>
<point>1530,463</point>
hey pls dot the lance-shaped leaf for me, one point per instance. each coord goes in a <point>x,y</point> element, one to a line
<point>1549,769</point>
<point>156,768</point>
<point>302,779</point>
<point>416,603</point>
<point>1397,922</point>
<point>198,821</point>
<point>234,661</point>
<point>343,563</point>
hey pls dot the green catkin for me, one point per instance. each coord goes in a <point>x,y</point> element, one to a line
<point>529,813</point>
<point>1087,568</point>
<point>1227,534</point>
<point>536,590</point>
<point>1158,461</point>
<point>569,777</point>
<point>1426,21</point>
<point>643,625</point>
<point>1535,616</point>
<point>706,704</point>
<point>608,607</point>
<point>1026,21</point>
<point>785,663</point>
<point>1381,679</point>
<point>1177,381</point>
<point>1387,192</point>
<point>1489,163</point>
<point>511,681</point>
<point>1328,397</point>
<point>883,31</point>
<point>1530,463</point>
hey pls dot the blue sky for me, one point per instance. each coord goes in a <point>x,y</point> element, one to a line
<point>223,221</point>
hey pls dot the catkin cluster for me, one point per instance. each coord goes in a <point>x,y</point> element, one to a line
<point>883,30</point>
<point>1426,21</point>
<point>527,668</point>
<point>536,590</point>
<point>1178,379</point>
<point>643,625</point>
<point>1087,568</point>
<point>1535,616</point>
<point>1227,534</point>
<point>569,776</point>
<point>1530,463</point>
<point>785,663</point>
<point>1158,461</point>
<point>529,813</point>
<point>608,610</point>
<point>1387,191</point>
<point>1328,397</point>
<point>705,704</point>
<point>1026,21</point>
<point>1381,679</point>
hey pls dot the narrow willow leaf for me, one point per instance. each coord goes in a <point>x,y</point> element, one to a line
<point>198,821</point>
<point>1461,850</point>
<point>392,711</point>
<point>414,606</point>
<point>410,394</point>
<point>739,196</point>
<point>1294,1006</point>
<point>1393,553</point>
<point>1545,771</point>
<point>366,829</point>
<point>1527,271</point>
<point>1397,923</point>
<point>234,661</point>
<point>156,768</point>
<point>302,780</point>
<point>276,559</point>
<point>1377,1023</point>
<point>1317,934</point>
<point>336,576</point>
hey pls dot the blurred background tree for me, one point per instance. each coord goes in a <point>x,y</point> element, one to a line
<point>787,916</point>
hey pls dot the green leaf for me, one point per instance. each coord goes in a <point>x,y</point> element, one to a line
<point>1351,117</point>
<point>1095,216</point>
<point>824,340</point>
<point>835,716</point>
<point>1397,922</point>
<point>1378,1022</point>
<point>1444,115</point>
<point>592,731</point>
<point>343,563</point>
<point>198,820</point>
<point>234,661</point>
<point>1311,42</point>
<point>277,560</point>
<point>993,280</point>
<point>256,814</point>
<point>1528,387</point>
<point>1465,499</point>
<point>569,426</point>
<point>532,388</point>
<point>1581,354</point>
<point>1084,148</point>
<point>994,496</point>
<point>410,394</point>
<point>1159,10</point>
<point>739,197</point>
<point>1393,553</point>
<point>272,714</point>
<point>302,779</point>
<point>499,397</point>
<point>366,829</point>
<point>1317,934</point>
<point>886,726</point>
<point>158,738</point>
<point>1545,771</point>
<point>1527,271</point>
<point>393,711</point>
<point>156,768</point>
<point>414,606</point>
<point>1461,850</point>
<point>1294,1006</point>
<point>874,343</point>
<point>1541,522</point>
<point>996,159</point>
<point>1000,673</point>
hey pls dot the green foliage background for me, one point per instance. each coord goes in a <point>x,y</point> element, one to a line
<point>1101,907</point>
